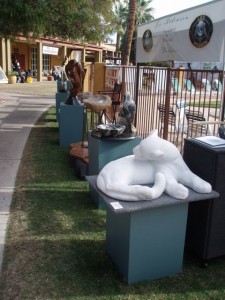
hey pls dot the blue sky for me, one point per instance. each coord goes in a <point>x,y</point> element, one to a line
<point>166,7</point>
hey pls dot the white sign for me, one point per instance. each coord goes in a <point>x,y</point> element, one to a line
<point>50,50</point>
<point>116,205</point>
<point>195,34</point>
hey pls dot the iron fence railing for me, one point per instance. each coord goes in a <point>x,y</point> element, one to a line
<point>173,100</point>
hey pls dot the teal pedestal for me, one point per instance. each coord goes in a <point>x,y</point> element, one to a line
<point>60,98</point>
<point>72,124</point>
<point>149,244</point>
<point>101,151</point>
<point>145,239</point>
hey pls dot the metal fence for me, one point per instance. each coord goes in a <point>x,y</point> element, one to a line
<point>174,101</point>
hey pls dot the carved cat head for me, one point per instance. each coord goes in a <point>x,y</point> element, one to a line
<point>156,149</point>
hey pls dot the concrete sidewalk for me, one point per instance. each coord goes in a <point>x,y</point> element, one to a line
<point>18,114</point>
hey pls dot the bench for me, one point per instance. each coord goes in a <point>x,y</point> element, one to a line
<point>145,239</point>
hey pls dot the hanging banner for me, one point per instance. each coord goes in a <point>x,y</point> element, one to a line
<point>195,34</point>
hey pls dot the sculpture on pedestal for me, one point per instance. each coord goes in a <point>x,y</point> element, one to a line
<point>127,113</point>
<point>155,161</point>
<point>221,131</point>
<point>76,74</point>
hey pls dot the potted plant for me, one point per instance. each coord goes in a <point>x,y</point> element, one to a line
<point>12,75</point>
<point>50,76</point>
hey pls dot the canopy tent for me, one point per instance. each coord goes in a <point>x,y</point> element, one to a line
<point>195,34</point>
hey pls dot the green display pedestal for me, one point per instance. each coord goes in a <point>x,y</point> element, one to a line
<point>145,239</point>
<point>72,124</point>
<point>60,98</point>
<point>103,150</point>
<point>149,244</point>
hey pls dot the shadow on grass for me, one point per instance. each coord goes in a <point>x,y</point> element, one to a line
<point>68,268</point>
<point>72,213</point>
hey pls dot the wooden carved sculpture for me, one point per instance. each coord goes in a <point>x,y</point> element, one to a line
<point>76,75</point>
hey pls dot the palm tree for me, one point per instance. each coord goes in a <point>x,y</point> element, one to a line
<point>143,12</point>
<point>120,17</point>
<point>142,15</point>
<point>129,32</point>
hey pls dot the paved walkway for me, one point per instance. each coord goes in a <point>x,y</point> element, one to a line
<point>18,113</point>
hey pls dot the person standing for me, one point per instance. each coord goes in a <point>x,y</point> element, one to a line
<point>16,67</point>
<point>64,75</point>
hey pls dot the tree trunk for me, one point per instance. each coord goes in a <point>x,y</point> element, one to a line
<point>129,32</point>
<point>118,37</point>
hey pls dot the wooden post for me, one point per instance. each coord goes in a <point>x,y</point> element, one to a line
<point>39,59</point>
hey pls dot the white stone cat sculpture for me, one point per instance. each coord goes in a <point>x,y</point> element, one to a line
<point>155,161</point>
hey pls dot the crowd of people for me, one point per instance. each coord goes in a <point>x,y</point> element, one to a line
<point>21,76</point>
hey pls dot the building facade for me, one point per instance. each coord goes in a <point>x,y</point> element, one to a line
<point>40,56</point>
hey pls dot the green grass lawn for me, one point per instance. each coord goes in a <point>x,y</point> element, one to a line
<point>55,245</point>
<point>206,104</point>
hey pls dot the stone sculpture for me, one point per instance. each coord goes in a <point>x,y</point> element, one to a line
<point>127,113</point>
<point>98,103</point>
<point>155,161</point>
<point>221,131</point>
